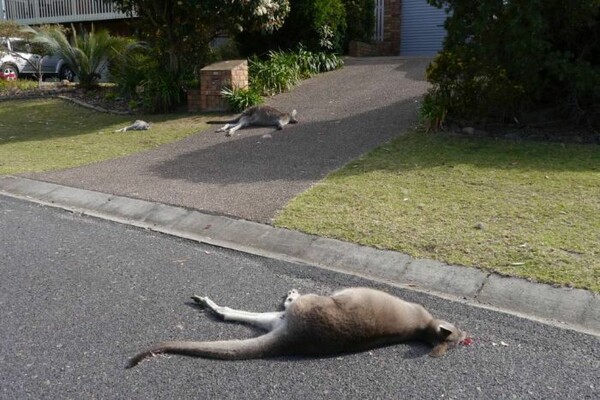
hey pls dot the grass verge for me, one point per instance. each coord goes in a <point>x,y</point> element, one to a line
<point>47,134</point>
<point>524,209</point>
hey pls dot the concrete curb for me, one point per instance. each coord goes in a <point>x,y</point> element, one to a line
<point>580,309</point>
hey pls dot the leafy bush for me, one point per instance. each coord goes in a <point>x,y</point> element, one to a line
<point>284,70</point>
<point>318,24</point>
<point>275,75</point>
<point>160,92</point>
<point>127,68</point>
<point>432,113</point>
<point>140,78</point>
<point>240,99</point>
<point>360,20</point>
<point>502,59</point>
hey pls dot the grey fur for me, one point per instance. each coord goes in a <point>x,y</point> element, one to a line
<point>350,320</point>
<point>138,125</point>
<point>260,116</point>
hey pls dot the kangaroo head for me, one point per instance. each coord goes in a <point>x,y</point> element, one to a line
<point>444,336</point>
<point>293,119</point>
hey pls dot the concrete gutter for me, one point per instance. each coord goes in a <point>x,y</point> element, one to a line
<point>572,308</point>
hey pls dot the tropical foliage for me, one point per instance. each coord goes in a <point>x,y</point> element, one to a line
<point>178,36</point>
<point>86,53</point>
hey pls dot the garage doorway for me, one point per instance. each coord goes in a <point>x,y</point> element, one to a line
<point>421,28</point>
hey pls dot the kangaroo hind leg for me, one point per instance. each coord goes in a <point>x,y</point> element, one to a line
<point>242,123</point>
<point>224,128</point>
<point>267,321</point>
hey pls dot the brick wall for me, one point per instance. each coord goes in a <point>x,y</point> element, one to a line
<point>390,46</point>
<point>213,78</point>
<point>391,27</point>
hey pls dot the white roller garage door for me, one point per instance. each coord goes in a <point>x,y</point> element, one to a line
<point>421,29</point>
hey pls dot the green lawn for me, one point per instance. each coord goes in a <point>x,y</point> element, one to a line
<point>48,134</point>
<point>522,209</point>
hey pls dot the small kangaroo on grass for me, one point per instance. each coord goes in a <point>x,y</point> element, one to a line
<point>259,116</point>
<point>350,320</point>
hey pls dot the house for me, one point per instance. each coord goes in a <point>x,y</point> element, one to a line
<point>406,28</point>
<point>79,12</point>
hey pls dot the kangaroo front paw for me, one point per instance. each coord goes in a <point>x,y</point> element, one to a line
<point>201,301</point>
<point>205,302</point>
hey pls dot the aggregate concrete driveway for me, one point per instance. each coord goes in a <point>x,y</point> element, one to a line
<point>342,115</point>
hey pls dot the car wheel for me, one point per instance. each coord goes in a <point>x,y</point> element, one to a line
<point>9,71</point>
<point>66,73</point>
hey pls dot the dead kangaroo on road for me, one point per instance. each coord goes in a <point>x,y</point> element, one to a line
<point>350,320</point>
<point>260,116</point>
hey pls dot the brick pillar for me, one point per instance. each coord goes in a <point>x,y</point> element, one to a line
<point>391,27</point>
<point>193,100</point>
<point>214,77</point>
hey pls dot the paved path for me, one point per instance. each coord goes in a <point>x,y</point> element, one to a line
<point>343,114</point>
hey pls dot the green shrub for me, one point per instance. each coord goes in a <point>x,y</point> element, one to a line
<point>326,61</point>
<point>226,51</point>
<point>360,20</point>
<point>128,67</point>
<point>142,79</point>
<point>502,59</point>
<point>318,24</point>
<point>284,69</point>
<point>160,92</point>
<point>433,111</point>
<point>240,99</point>
<point>277,74</point>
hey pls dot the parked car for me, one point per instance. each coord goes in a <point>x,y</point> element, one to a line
<point>14,53</point>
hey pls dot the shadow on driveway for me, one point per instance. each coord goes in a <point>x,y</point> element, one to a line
<point>342,115</point>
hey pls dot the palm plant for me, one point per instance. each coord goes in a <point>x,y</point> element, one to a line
<point>87,54</point>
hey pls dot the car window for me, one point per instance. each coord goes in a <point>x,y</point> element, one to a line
<point>20,46</point>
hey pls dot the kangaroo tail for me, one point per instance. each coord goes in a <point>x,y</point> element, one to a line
<point>263,346</point>
<point>231,121</point>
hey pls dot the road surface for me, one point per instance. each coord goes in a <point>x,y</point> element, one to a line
<point>79,296</point>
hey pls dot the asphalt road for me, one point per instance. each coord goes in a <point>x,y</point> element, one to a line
<point>78,296</point>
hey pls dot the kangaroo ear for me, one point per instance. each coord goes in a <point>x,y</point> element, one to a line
<point>445,329</point>
<point>293,113</point>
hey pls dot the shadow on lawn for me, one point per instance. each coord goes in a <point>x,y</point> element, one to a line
<point>419,150</point>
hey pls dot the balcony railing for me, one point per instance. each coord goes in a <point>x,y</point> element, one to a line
<point>34,12</point>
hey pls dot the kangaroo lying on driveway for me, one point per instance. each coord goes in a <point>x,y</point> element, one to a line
<point>260,116</point>
<point>348,321</point>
